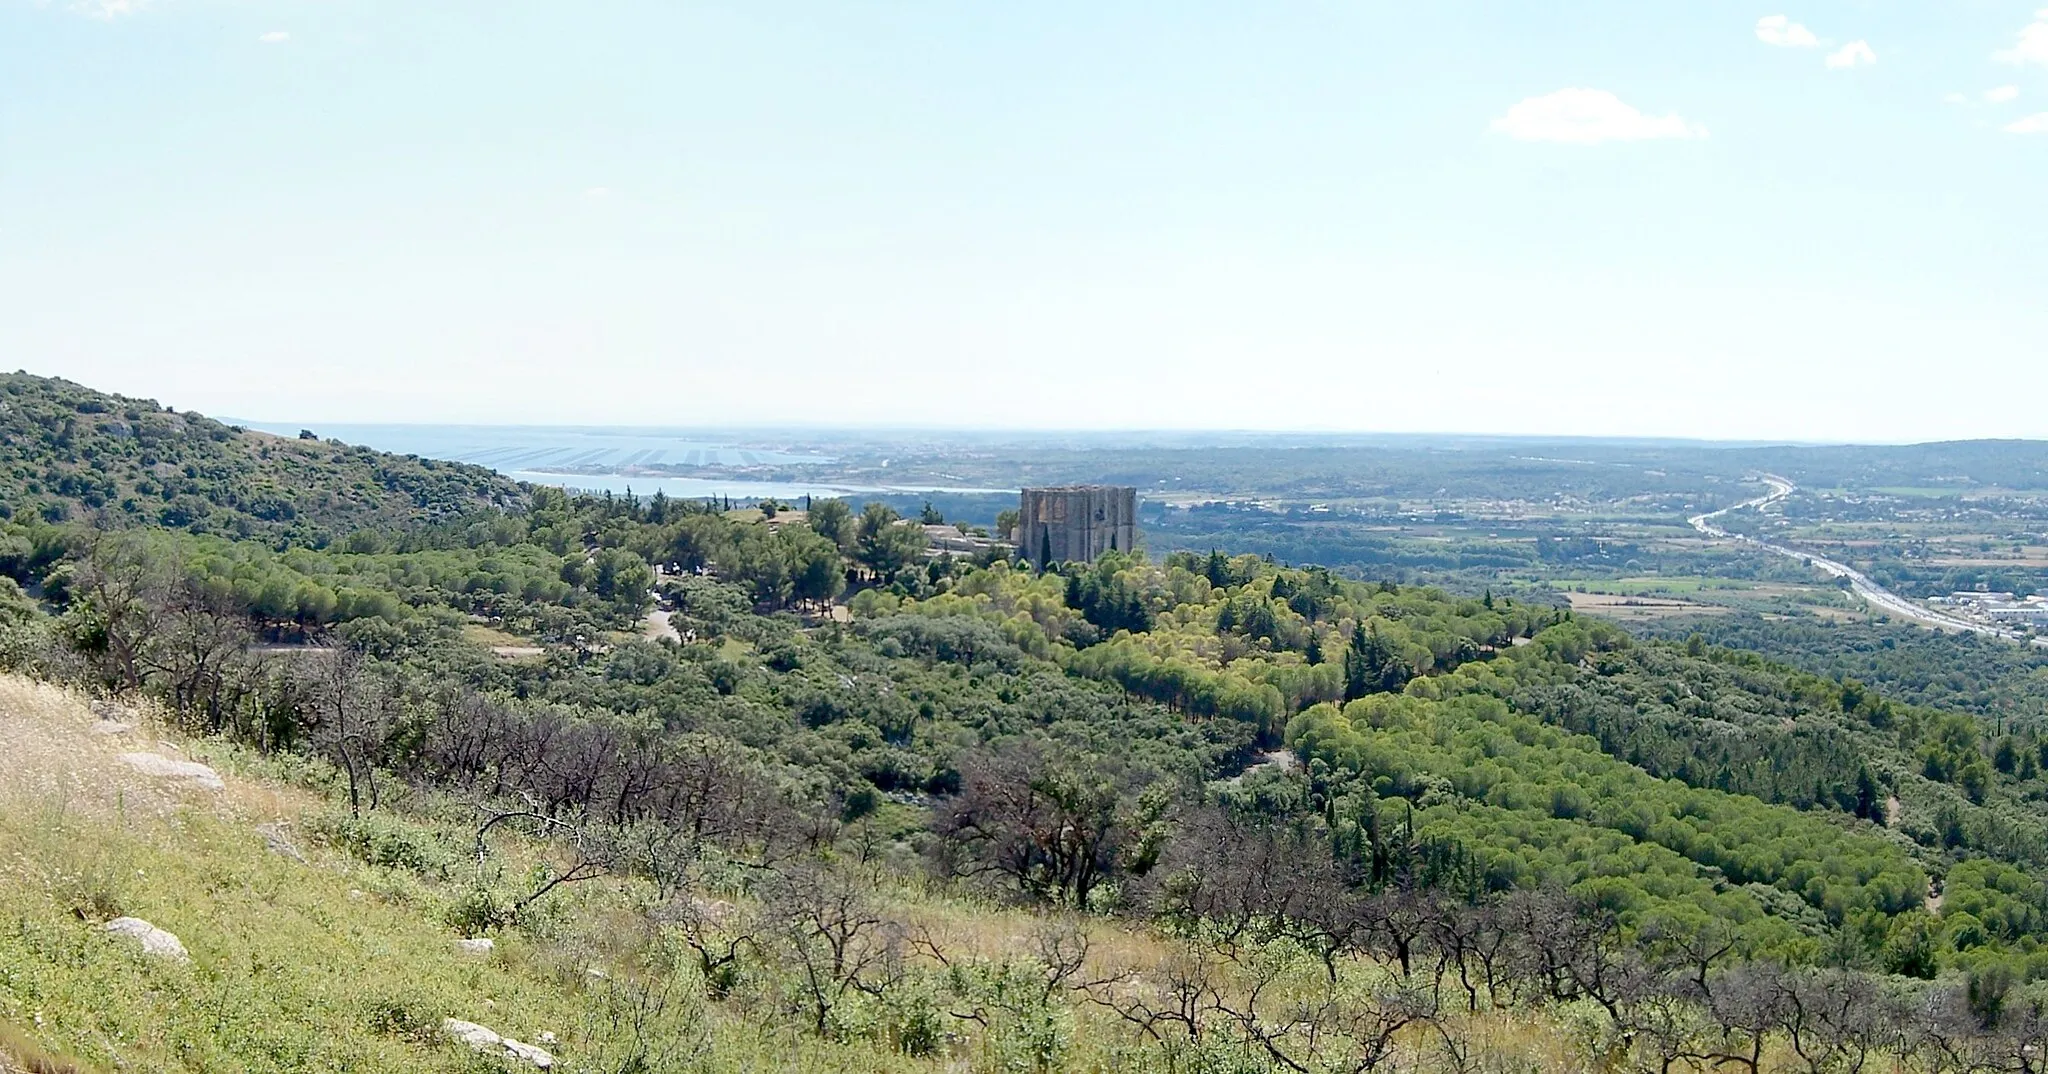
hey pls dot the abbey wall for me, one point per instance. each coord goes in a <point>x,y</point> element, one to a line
<point>1075,523</point>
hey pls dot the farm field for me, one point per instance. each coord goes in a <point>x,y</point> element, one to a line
<point>1642,598</point>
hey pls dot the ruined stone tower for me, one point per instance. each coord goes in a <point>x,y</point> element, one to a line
<point>1075,523</point>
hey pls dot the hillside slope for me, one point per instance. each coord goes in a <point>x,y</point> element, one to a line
<point>316,942</point>
<point>1298,819</point>
<point>67,451</point>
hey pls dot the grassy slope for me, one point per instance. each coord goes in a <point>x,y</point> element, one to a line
<point>66,450</point>
<point>331,965</point>
<point>335,964</point>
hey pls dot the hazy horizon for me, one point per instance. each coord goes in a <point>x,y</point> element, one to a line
<point>1806,224</point>
<point>286,426</point>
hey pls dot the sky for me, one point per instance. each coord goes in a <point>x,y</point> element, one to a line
<point>1826,221</point>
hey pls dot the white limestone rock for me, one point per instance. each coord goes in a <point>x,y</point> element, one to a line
<point>190,772</point>
<point>539,1057</point>
<point>155,942</point>
<point>477,945</point>
<point>486,1041</point>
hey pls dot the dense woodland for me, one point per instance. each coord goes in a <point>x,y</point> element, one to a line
<point>1355,809</point>
<point>70,452</point>
<point>1953,671</point>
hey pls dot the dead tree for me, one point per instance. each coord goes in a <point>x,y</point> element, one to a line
<point>826,929</point>
<point>1053,826</point>
<point>1747,1004</point>
<point>1833,1020</point>
<point>348,714</point>
<point>593,850</point>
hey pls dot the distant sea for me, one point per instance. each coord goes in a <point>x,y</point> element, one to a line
<point>532,452</point>
<point>699,487</point>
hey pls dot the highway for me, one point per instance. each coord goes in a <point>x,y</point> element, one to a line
<point>1877,595</point>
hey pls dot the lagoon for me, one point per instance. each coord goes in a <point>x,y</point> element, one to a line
<point>737,488</point>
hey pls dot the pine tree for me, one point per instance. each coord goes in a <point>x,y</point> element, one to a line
<point>1868,804</point>
<point>1372,667</point>
<point>1358,671</point>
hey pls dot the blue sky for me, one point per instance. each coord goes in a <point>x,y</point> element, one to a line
<point>1824,221</point>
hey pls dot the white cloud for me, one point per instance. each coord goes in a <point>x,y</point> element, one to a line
<point>598,193</point>
<point>276,37</point>
<point>2001,95</point>
<point>2032,46</point>
<point>1781,31</point>
<point>1853,54</point>
<point>108,10</point>
<point>1955,98</point>
<point>2034,124</point>
<point>1587,116</point>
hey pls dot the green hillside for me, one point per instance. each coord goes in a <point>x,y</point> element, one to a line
<point>68,452</point>
<point>828,801</point>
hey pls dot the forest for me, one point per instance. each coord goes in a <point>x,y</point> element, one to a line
<point>1352,819</point>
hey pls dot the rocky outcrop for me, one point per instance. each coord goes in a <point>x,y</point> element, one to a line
<point>188,772</point>
<point>486,1041</point>
<point>155,942</point>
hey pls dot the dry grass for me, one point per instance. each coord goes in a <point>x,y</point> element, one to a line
<point>503,644</point>
<point>1617,606</point>
<point>491,637</point>
<point>330,964</point>
<point>21,1055</point>
<point>62,754</point>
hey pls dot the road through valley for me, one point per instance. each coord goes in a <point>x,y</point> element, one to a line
<point>1878,596</point>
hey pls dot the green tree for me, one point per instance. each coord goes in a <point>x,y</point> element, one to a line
<point>816,571</point>
<point>620,577</point>
<point>760,561</point>
<point>1869,798</point>
<point>1371,666</point>
<point>883,544</point>
<point>833,520</point>
<point>699,540</point>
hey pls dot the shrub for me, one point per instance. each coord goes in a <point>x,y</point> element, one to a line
<point>387,842</point>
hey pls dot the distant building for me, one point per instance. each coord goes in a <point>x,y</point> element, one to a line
<point>1076,523</point>
<point>948,539</point>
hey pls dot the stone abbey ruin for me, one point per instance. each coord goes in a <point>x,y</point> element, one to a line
<point>1075,523</point>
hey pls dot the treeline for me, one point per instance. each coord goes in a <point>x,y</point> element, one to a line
<point>1647,777</point>
<point>1956,672</point>
<point>1531,804</point>
<point>563,568</point>
<point>1238,638</point>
